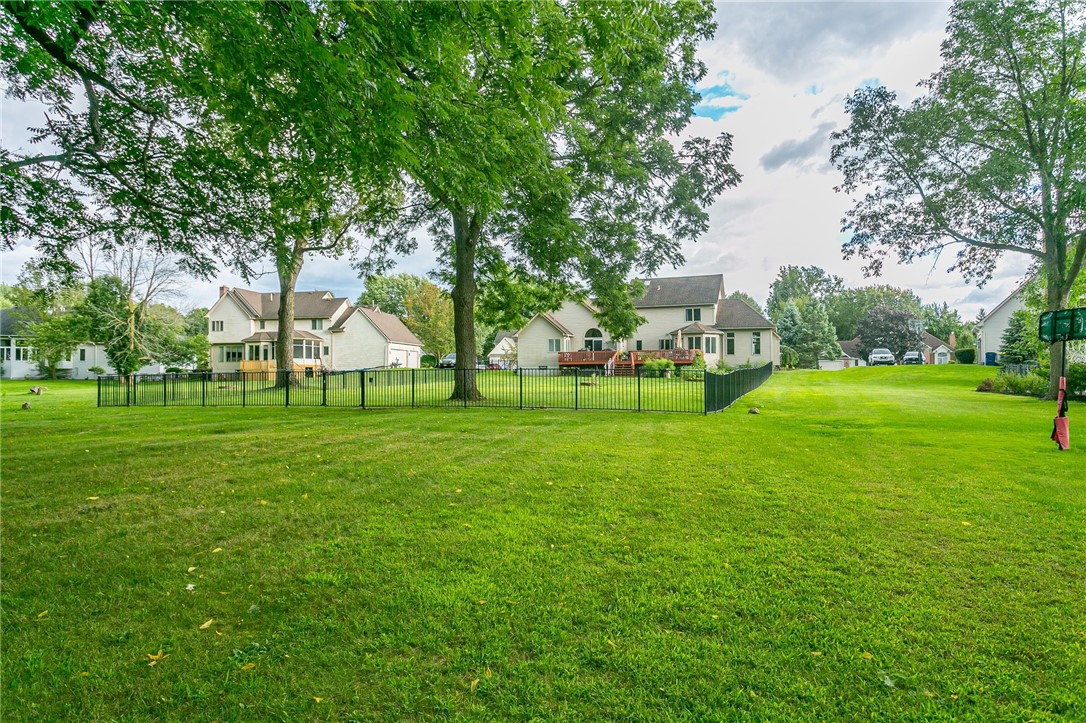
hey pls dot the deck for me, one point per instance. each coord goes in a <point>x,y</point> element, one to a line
<point>627,360</point>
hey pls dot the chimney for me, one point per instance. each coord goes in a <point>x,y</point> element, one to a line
<point>951,340</point>
<point>223,290</point>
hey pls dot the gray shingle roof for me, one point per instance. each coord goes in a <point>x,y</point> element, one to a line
<point>273,335</point>
<point>14,319</point>
<point>737,314</point>
<point>502,335</point>
<point>388,324</point>
<point>307,304</point>
<point>682,291</point>
<point>932,341</point>
<point>850,347</point>
<point>698,328</point>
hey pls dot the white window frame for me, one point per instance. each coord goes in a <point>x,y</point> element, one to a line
<point>217,326</point>
<point>693,314</point>
<point>756,343</point>
<point>554,345</point>
<point>317,324</point>
<point>710,345</point>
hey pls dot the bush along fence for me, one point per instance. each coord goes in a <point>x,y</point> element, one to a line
<point>689,391</point>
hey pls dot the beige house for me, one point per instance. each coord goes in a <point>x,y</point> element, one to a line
<point>329,333</point>
<point>683,315</point>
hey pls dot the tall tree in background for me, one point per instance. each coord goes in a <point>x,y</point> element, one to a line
<point>542,152</point>
<point>743,296</point>
<point>429,316</point>
<point>799,282</point>
<point>941,321</point>
<point>847,307</point>
<point>1020,343</point>
<point>388,293</point>
<point>805,327</point>
<point>891,327</point>
<point>990,160</point>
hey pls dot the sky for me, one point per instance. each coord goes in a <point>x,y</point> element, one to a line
<point>778,74</point>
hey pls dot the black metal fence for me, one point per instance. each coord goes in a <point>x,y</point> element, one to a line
<point>687,391</point>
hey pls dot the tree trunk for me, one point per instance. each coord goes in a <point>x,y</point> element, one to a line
<point>288,266</point>
<point>466,229</point>
<point>1056,295</point>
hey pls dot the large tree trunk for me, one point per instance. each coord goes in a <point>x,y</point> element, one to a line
<point>1056,296</point>
<point>288,266</point>
<point>466,227</point>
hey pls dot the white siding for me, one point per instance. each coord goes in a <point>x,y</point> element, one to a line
<point>993,326</point>
<point>532,344</point>
<point>660,321</point>
<point>744,348</point>
<point>361,346</point>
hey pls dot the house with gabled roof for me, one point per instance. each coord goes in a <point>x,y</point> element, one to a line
<point>329,333</point>
<point>683,316</point>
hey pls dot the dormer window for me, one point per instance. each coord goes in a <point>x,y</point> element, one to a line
<point>693,314</point>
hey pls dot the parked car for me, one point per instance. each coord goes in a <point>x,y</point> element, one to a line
<point>880,356</point>
<point>447,362</point>
<point>912,357</point>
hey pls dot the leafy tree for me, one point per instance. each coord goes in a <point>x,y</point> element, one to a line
<point>389,292</point>
<point>428,314</point>
<point>790,324</point>
<point>848,306</point>
<point>541,148</point>
<point>53,339</point>
<point>798,282</point>
<point>805,328</point>
<point>940,320</point>
<point>890,327</point>
<point>742,296</point>
<point>989,160</point>
<point>124,145</point>
<point>1020,343</point>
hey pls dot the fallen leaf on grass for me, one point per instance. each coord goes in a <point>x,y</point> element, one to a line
<point>42,614</point>
<point>217,549</point>
<point>474,685</point>
<point>612,643</point>
<point>868,656</point>
<point>92,498</point>
<point>317,699</point>
<point>488,673</point>
<point>192,569</point>
<point>207,625</point>
<point>816,654</point>
<point>965,524</point>
<point>156,657</point>
<point>248,666</point>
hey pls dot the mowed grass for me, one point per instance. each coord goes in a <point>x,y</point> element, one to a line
<point>876,544</point>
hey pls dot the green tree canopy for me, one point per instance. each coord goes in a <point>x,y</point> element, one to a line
<point>891,327</point>
<point>389,292</point>
<point>989,160</point>
<point>848,306</point>
<point>798,282</point>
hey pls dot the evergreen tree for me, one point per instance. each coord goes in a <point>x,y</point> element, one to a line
<point>817,338</point>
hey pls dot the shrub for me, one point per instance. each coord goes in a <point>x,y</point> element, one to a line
<point>965,356</point>
<point>789,357</point>
<point>1076,380</point>
<point>1033,385</point>
<point>658,367</point>
<point>96,370</point>
<point>428,361</point>
<point>699,360</point>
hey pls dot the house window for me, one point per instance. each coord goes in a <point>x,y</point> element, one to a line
<point>22,352</point>
<point>231,353</point>
<point>265,347</point>
<point>639,345</point>
<point>710,345</point>
<point>554,345</point>
<point>307,349</point>
<point>318,324</point>
<point>593,340</point>
<point>667,344</point>
<point>756,342</point>
<point>216,326</point>
<point>254,352</point>
<point>693,314</point>
<point>326,351</point>
<point>693,342</point>
<point>5,353</point>
<point>262,324</point>
<point>729,342</point>
<point>82,355</point>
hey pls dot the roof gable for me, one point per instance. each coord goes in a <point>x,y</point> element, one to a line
<point>682,291</point>
<point>738,314</point>
<point>389,325</point>
<point>307,304</point>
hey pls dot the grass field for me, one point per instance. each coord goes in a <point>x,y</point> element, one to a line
<point>880,544</point>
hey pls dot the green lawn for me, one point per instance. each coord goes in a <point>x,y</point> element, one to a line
<point>876,544</point>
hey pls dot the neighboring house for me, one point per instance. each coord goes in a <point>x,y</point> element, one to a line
<point>504,353</point>
<point>683,315</point>
<point>850,357</point>
<point>936,351</point>
<point>17,362</point>
<point>329,333</point>
<point>990,330</point>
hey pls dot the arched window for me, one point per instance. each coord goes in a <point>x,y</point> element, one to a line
<point>593,340</point>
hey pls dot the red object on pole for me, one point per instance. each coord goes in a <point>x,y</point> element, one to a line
<point>1061,431</point>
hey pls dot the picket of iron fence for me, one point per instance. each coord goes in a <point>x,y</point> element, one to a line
<point>686,391</point>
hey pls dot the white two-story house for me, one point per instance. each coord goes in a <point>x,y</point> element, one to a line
<point>683,315</point>
<point>329,333</point>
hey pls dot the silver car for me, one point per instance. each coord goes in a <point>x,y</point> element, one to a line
<point>880,356</point>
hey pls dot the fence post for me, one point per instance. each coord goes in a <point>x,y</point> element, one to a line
<point>241,376</point>
<point>164,392</point>
<point>520,378</point>
<point>412,388</point>
<point>99,382</point>
<point>131,390</point>
<point>324,389</point>
<point>464,386</point>
<point>362,388</point>
<point>576,388</point>
<point>203,389</point>
<point>288,381</point>
<point>637,373</point>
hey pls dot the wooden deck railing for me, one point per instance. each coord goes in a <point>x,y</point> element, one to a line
<point>600,358</point>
